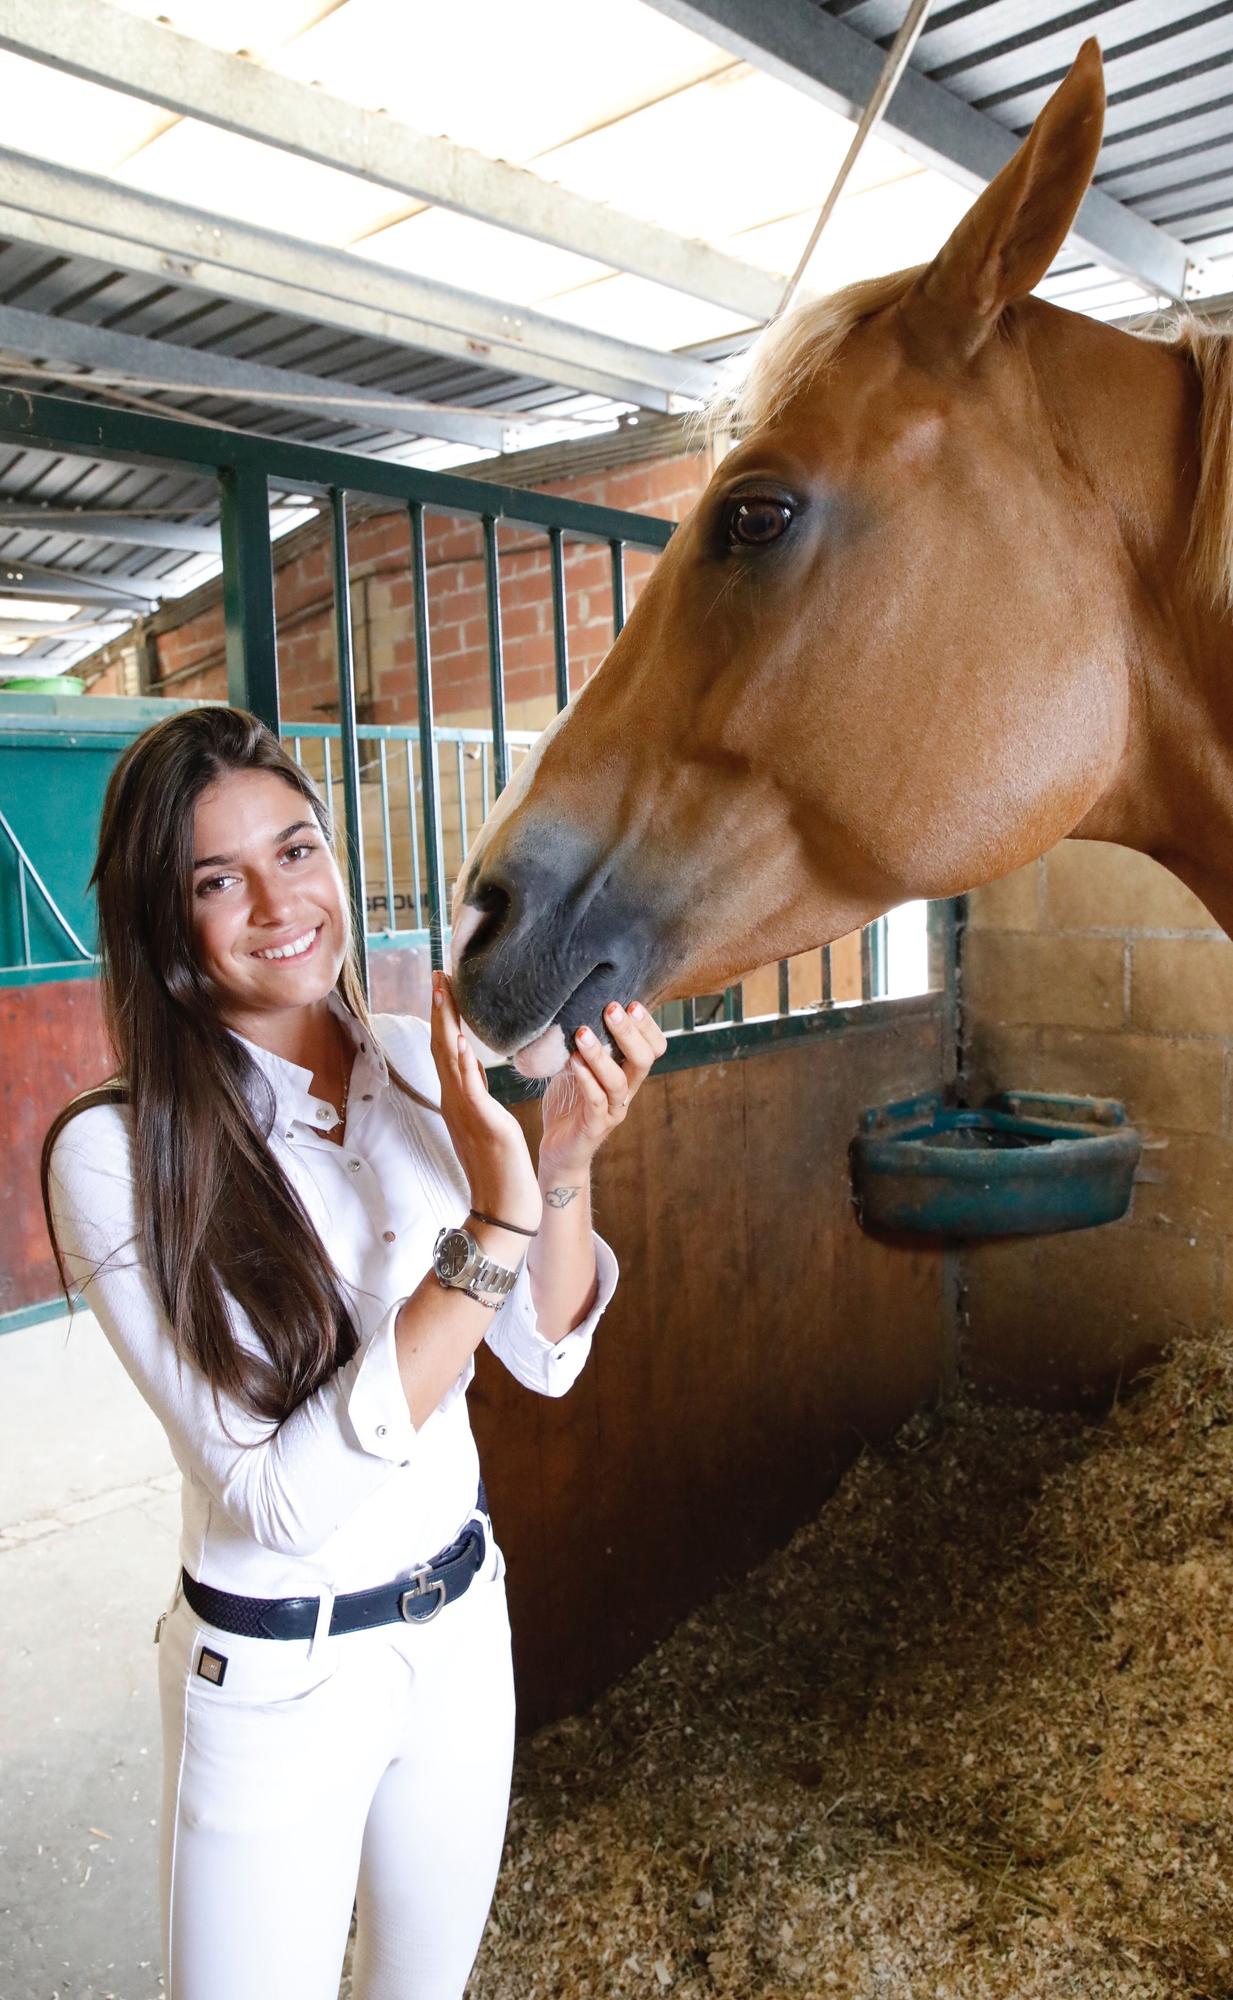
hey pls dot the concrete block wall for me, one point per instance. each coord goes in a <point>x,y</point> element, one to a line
<point>1094,970</point>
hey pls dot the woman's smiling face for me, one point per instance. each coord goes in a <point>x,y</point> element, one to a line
<point>269,908</point>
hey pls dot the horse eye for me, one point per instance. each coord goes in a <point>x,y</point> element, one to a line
<point>754,522</point>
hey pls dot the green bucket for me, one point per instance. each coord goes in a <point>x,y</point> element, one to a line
<point>43,684</point>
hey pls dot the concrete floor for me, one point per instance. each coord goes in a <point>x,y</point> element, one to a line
<point>89,1522</point>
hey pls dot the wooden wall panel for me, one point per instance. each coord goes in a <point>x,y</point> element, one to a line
<point>756,1339</point>
<point>52,1044</point>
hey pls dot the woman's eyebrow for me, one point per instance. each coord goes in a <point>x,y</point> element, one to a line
<point>225,860</point>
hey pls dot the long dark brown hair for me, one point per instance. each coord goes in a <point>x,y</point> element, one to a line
<point>216,1217</point>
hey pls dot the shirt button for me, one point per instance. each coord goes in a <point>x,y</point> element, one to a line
<point>323,1111</point>
<point>380,1430</point>
<point>353,1166</point>
<point>367,1097</point>
<point>388,1236</point>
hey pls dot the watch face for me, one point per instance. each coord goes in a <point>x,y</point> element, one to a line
<point>453,1252</point>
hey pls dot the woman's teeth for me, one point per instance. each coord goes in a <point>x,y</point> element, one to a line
<point>292,950</point>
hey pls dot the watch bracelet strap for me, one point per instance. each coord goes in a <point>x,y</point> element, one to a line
<point>490,1276</point>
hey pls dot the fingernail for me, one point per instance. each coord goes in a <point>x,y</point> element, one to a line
<point>615,1011</point>
<point>437,996</point>
<point>585,1035</point>
<point>635,1009</point>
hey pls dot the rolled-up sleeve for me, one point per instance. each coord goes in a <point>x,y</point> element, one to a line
<point>289,1485</point>
<point>534,1360</point>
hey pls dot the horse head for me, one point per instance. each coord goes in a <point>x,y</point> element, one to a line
<point>884,657</point>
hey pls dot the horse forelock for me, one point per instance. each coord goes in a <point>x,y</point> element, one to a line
<point>792,350</point>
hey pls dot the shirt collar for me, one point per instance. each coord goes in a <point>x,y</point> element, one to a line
<point>291,1084</point>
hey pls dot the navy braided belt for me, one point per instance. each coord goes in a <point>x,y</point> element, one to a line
<point>415,1597</point>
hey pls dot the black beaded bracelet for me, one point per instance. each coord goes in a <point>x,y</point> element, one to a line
<point>497,1223</point>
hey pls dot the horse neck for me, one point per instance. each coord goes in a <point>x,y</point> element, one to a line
<point>1142,416</point>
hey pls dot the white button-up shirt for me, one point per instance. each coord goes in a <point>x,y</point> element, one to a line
<point>346,1492</point>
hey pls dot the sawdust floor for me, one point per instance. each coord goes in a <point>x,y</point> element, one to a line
<point>969,1736</point>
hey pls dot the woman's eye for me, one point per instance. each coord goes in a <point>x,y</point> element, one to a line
<point>301,848</point>
<point>755,521</point>
<point>213,884</point>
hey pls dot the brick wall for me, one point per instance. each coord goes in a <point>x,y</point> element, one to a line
<point>1095,971</point>
<point>192,656</point>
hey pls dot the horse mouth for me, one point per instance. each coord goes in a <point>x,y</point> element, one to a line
<point>544,1056</point>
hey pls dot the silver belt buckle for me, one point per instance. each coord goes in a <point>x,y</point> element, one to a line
<point>422,1583</point>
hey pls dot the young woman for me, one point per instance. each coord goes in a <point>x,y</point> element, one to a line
<point>295,1224</point>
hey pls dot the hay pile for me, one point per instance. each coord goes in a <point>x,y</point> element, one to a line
<point>971,1735</point>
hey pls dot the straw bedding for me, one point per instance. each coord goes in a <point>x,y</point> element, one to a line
<point>969,1736</point>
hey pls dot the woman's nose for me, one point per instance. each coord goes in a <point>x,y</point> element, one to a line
<point>270,899</point>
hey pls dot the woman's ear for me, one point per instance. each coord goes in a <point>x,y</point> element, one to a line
<point>1008,239</point>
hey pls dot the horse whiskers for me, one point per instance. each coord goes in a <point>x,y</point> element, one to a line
<point>560,1093</point>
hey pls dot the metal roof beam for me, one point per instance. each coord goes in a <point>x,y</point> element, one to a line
<point>86,216</point>
<point>66,587</point>
<point>801,45</point>
<point>135,530</point>
<point>198,371</point>
<point>111,46</point>
<point>46,628</point>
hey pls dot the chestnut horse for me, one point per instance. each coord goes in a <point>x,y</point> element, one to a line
<point>962,590</point>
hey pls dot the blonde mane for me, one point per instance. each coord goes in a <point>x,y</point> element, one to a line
<point>1209,550</point>
<point>792,350</point>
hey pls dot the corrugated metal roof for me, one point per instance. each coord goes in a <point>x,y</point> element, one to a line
<point>1168,149</point>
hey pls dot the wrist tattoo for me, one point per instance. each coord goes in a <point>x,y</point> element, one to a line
<point>561,1197</point>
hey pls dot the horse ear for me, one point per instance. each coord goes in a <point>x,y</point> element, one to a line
<point>1008,239</point>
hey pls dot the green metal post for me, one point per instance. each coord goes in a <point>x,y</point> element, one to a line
<point>618,587</point>
<point>560,623</point>
<point>496,659</point>
<point>346,729</point>
<point>867,988</point>
<point>433,857</point>
<point>248,592</point>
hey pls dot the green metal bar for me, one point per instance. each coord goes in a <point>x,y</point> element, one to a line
<point>689,1016</point>
<point>785,987</point>
<point>90,429</point>
<point>23,1316</point>
<point>460,773</point>
<point>560,621</point>
<point>27,956</point>
<point>328,753</point>
<point>828,979</point>
<point>248,591</point>
<point>867,986</point>
<point>433,857</point>
<point>618,585</point>
<point>346,724</point>
<point>391,921</point>
<point>879,958</point>
<point>734,1043</point>
<point>496,656</point>
<point>413,820</point>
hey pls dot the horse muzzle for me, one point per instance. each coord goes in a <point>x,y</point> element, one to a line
<point>543,941</point>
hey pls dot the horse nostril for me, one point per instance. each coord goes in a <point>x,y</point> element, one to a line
<point>487,908</point>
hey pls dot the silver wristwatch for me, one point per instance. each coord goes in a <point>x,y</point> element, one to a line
<point>461,1266</point>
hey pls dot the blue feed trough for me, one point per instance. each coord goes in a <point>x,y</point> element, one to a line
<point>1024,1164</point>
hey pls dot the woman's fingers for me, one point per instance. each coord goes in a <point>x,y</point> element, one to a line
<point>604,1068</point>
<point>640,1040</point>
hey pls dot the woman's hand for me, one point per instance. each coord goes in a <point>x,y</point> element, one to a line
<point>590,1097</point>
<point>487,1138</point>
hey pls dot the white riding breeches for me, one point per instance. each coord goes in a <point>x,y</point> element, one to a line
<point>372,1766</point>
